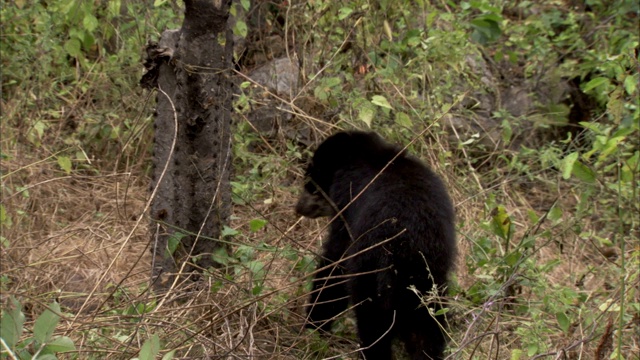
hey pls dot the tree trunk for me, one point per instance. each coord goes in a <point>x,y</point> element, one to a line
<point>191,69</point>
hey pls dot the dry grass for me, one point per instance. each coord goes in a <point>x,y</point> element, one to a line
<point>82,239</point>
<point>73,233</point>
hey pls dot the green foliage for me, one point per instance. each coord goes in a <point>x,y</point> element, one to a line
<point>405,65</point>
<point>65,163</point>
<point>402,56</point>
<point>254,167</point>
<point>172,244</point>
<point>12,323</point>
<point>257,224</point>
<point>150,350</point>
<point>486,27</point>
<point>43,344</point>
<point>249,259</point>
<point>237,10</point>
<point>82,93</point>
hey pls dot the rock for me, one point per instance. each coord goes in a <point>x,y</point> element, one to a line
<point>279,76</point>
<point>269,115</point>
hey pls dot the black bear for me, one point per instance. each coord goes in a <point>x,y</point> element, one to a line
<point>391,243</point>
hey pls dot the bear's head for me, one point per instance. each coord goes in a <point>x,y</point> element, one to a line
<point>339,151</point>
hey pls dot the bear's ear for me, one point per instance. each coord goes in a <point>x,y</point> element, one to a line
<point>336,143</point>
<point>334,152</point>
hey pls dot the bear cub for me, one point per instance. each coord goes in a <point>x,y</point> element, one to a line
<point>391,242</point>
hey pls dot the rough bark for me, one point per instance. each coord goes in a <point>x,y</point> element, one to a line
<point>191,69</point>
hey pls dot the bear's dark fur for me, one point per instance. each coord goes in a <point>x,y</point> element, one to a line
<point>392,238</point>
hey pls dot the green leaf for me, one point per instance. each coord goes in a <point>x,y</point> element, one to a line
<point>5,220</point>
<point>114,8</point>
<point>257,290</point>
<point>507,132</point>
<point>90,22</point>
<point>486,28</point>
<point>257,269</point>
<point>563,321</point>
<point>39,127</point>
<point>71,8</point>
<point>24,191</point>
<point>87,40</point>
<point>603,241</point>
<point>533,217</point>
<point>501,223</point>
<point>631,84</point>
<point>622,132</point>
<point>594,83</point>
<point>246,4</point>
<point>330,82</point>
<point>403,119</point>
<point>344,12</point>
<point>630,168</point>
<point>381,101</point>
<point>567,164</point>
<point>516,354</point>
<point>366,115</point>
<point>591,126</point>
<point>73,47</point>
<point>65,163</point>
<point>240,28</point>
<point>172,243</point>
<point>609,147</point>
<point>412,38</point>
<point>46,324</point>
<point>555,214</point>
<point>227,231</point>
<point>609,305</point>
<point>11,324</point>
<point>387,29</point>
<point>528,242</point>
<point>220,256</point>
<point>512,258</point>
<point>46,357</point>
<point>169,355</point>
<point>158,3</point>
<point>150,348</point>
<point>583,172</point>
<point>60,344</point>
<point>257,224</point>
<point>442,311</point>
<point>305,263</point>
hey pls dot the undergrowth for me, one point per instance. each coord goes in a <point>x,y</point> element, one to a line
<point>547,200</point>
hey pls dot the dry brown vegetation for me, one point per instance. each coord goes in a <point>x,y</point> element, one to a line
<point>83,240</point>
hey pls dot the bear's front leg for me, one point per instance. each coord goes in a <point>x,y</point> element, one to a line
<point>328,298</point>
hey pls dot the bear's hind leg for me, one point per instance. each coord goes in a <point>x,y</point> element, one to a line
<point>375,330</point>
<point>422,335</point>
